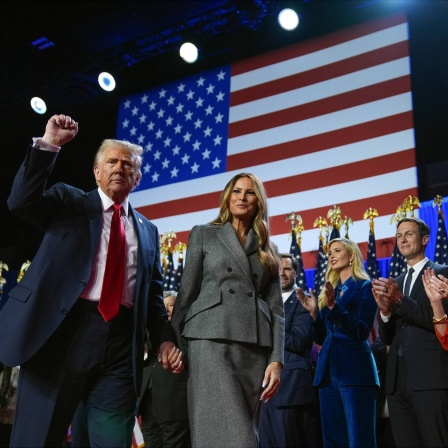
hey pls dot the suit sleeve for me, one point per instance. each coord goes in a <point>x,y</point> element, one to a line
<point>299,337</point>
<point>419,313</point>
<point>28,198</point>
<point>190,284</point>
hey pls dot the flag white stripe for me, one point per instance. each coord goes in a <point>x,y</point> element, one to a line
<point>317,125</point>
<point>320,58</point>
<point>335,86</point>
<point>363,150</point>
<point>306,199</point>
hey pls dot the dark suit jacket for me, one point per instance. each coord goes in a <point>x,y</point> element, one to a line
<point>296,386</point>
<point>62,266</point>
<point>168,390</point>
<point>343,332</point>
<point>410,326</point>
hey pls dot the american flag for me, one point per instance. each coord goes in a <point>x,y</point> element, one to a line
<point>296,251</point>
<point>398,264</point>
<point>179,272</point>
<point>322,122</point>
<point>371,261</point>
<point>169,276</point>
<point>321,267</point>
<point>441,249</point>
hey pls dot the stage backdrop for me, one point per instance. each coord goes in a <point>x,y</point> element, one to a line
<point>324,122</point>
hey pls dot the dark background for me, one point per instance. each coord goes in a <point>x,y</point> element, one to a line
<point>138,41</point>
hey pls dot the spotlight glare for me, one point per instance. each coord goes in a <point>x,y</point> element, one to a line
<point>288,19</point>
<point>188,52</point>
<point>38,105</point>
<point>106,81</point>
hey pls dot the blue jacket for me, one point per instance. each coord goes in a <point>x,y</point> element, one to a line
<point>343,332</point>
<point>296,386</point>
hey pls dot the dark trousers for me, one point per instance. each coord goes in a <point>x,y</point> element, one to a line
<point>86,360</point>
<point>418,418</point>
<point>162,434</point>
<point>284,426</point>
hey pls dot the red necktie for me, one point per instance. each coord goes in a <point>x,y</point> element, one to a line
<point>111,292</point>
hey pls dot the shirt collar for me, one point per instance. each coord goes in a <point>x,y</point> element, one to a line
<point>419,266</point>
<point>107,202</point>
<point>286,294</point>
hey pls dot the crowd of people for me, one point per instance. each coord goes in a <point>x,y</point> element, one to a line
<point>227,360</point>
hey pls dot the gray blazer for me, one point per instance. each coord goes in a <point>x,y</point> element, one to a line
<point>225,293</point>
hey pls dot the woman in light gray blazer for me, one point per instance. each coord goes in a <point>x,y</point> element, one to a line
<point>230,310</point>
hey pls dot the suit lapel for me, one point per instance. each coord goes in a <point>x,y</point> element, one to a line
<point>289,303</point>
<point>228,237</point>
<point>419,281</point>
<point>143,247</point>
<point>94,210</point>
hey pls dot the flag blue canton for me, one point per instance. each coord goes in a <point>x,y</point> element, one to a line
<point>441,249</point>
<point>179,272</point>
<point>398,264</point>
<point>181,126</point>
<point>321,268</point>
<point>335,233</point>
<point>169,277</point>
<point>297,252</point>
<point>371,261</point>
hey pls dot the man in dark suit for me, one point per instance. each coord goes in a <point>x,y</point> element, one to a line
<point>417,366</point>
<point>163,405</point>
<point>284,420</point>
<point>71,348</point>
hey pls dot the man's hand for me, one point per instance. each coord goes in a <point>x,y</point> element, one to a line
<point>60,129</point>
<point>171,357</point>
<point>309,303</point>
<point>386,292</point>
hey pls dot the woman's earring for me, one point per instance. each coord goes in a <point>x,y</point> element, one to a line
<point>350,262</point>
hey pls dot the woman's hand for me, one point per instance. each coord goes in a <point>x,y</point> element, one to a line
<point>271,381</point>
<point>308,302</point>
<point>329,295</point>
<point>170,357</point>
<point>436,287</point>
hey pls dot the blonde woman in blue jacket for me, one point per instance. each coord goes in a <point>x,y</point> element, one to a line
<point>346,373</point>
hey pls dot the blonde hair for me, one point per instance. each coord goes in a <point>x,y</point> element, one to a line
<point>358,271</point>
<point>267,252</point>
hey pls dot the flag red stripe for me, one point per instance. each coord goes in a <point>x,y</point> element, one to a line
<point>386,205</point>
<point>279,187</point>
<point>333,139</point>
<point>324,106</point>
<point>357,170</point>
<point>316,44</point>
<point>349,65</point>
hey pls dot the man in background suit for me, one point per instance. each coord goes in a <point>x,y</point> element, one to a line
<point>70,348</point>
<point>417,366</point>
<point>284,418</point>
<point>163,406</point>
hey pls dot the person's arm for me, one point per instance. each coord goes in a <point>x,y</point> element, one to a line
<point>356,324</point>
<point>436,288</point>
<point>299,337</point>
<point>28,198</point>
<point>319,330</point>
